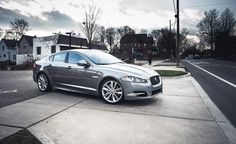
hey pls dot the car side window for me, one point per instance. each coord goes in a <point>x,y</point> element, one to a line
<point>51,58</point>
<point>60,57</point>
<point>74,58</point>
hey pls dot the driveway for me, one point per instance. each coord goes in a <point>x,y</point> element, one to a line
<point>182,114</point>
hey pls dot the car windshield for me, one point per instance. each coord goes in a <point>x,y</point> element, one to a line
<point>101,58</point>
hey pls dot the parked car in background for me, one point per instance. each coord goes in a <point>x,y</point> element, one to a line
<point>97,73</point>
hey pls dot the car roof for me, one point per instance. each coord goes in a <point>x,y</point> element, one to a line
<point>84,50</point>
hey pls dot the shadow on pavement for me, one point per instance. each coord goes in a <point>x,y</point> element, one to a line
<point>21,137</point>
<point>100,100</point>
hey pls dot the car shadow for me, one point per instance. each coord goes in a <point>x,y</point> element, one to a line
<point>99,100</point>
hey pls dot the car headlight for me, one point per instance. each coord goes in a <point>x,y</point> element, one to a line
<point>133,79</point>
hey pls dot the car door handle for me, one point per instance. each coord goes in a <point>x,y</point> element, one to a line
<point>69,67</point>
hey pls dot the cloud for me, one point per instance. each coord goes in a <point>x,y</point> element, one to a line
<point>147,5</point>
<point>52,21</point>
<point>189,18</point>
<point>8,15</point>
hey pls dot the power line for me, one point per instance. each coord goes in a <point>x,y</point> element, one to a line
<point>212,4</point>
<point>174,6</point>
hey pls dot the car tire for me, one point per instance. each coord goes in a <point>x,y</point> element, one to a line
<point>43,83</point>
<point>111,91</point>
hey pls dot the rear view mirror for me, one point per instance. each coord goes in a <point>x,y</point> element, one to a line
<point>83,63</point>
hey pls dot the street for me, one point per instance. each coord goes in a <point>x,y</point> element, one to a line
<point>16,86</point>
<point>221,90</point>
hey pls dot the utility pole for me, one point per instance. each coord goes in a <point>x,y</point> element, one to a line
<point>178,39</point>
<point>69,33</point>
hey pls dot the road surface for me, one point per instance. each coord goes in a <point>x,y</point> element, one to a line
<point>218,79</point>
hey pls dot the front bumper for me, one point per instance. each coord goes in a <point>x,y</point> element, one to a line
<point>138,91</point>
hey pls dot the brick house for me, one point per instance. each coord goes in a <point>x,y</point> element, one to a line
<point>138,46</point>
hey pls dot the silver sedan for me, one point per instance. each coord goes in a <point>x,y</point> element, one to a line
<point>97,73</point>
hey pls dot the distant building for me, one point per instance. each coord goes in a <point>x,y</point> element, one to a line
<point>100,46</point>
<point>138,46</point>
<point>8,50</point>
<point>43,46</point>
<point>24,49</point>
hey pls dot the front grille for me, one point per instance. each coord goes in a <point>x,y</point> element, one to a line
<point>156,91</point>
<point>155,80</point>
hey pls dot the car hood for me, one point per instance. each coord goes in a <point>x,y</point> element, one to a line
<point>130,70</point>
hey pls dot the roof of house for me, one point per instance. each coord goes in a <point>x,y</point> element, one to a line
<point>64,39</point>
<point>29,39</point>
<point>10,43</point>
<point>141,38</point>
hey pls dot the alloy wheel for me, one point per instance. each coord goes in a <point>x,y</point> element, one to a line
<point>112,91</point>
<point>43,83</point>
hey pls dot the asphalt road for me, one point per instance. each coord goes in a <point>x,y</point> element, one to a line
<point>220,92</point>
<point>17,86</point>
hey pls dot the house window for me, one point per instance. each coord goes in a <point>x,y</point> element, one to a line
<point>53,49</point>
<point>144,44</point>
<point>4,55</point>
<point>38,50</point>
<point>14,57</point>
<point>3,48</point>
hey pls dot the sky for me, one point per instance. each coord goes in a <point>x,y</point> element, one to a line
<point>46,17</point>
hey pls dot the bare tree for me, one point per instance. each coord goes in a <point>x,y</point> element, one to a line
<point>1,33</point>
<point>18,28</point>
<point>209,26</point>
<point>90,26</point>
<point>227,21</point>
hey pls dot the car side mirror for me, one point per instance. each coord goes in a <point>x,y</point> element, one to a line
<point>83,63</point>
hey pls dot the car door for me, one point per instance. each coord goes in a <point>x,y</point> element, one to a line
<point>57,68</point>
<point>83,78</point>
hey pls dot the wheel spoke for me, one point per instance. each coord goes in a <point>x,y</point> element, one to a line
<point>120,93</point>
<point>115,96</point>
<point>114,85</point>
<point>109,96</point>
<point>106,94</point>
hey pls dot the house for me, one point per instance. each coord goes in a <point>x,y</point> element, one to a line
<point>100,46</point>
<point>138,46</point>
<point>8,50</point>
<point>43,46</point>
<point>24,49</point>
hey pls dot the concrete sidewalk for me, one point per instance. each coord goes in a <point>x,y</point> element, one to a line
<point>182,114</point>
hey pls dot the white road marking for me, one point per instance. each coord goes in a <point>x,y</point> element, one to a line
<point>233,85</point>
<point>8,91</point>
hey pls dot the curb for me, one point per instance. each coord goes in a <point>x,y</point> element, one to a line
<point>176,77</point>
<point>227,129</point>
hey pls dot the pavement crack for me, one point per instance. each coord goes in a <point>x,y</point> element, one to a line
<point>149,114</point>
<point>13,126</point>
<point>55,113</point>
